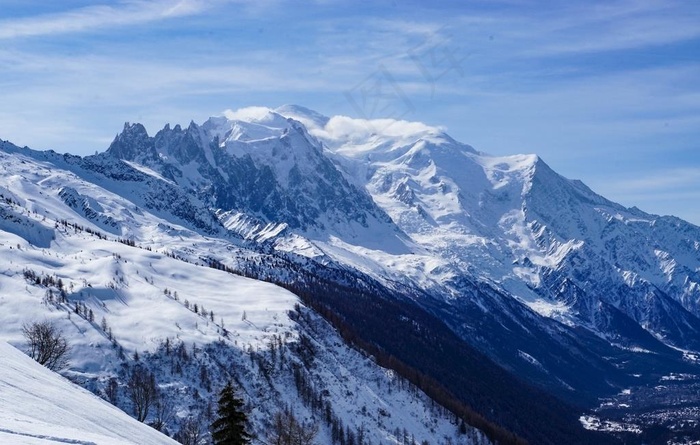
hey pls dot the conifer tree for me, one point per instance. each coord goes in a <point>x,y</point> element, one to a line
<point>229,427</point>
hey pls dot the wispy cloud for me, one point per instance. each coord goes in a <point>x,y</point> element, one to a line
<point>147,80</point>
<point>670,191</point>
<point>99,17</point>
<point>576,28</point>
<point>661,181</point>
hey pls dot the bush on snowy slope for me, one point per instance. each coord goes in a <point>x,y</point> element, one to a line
<point>46,344</point>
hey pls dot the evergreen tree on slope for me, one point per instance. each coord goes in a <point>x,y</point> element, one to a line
<point>229,426</point>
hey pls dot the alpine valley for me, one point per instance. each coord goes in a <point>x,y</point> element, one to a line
<point>380,280</point>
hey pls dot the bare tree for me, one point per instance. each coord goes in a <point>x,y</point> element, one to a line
<point>164,413</point>
<point>287,430</point>
<point>47,345</point>
<point>112,391</point>
<point>142,390</point>
<point>190,432</point>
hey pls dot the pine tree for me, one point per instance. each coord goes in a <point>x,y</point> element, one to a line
<point>229,427</point>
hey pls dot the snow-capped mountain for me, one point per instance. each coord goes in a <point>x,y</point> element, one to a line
<point>385,228</point>
<point>265,165</point>
<point>552,267</point>
<point>518,224</point>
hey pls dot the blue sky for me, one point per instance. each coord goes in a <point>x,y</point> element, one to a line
<point>607,92</point>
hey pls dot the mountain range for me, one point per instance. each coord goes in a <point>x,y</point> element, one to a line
<point>520,301</point>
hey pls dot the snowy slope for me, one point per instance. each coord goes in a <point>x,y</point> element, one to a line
<point>193,326</point>
<point>40,407</point>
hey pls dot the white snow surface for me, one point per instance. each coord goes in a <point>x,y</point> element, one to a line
<point>41,407</point>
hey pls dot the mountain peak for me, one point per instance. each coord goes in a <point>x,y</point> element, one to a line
<point>133,142</point>
<point>259,115</point>
<point>135,129</point>
<point>310,118</point>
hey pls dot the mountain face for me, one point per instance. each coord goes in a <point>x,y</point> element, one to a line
<point>538,235</point>
<point>498,260</point>
<point>550,255</point>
